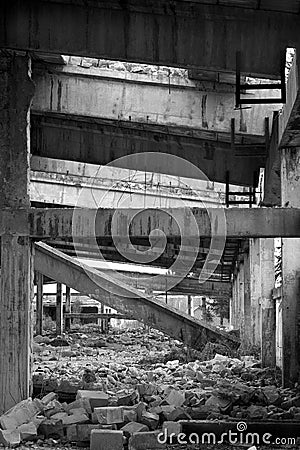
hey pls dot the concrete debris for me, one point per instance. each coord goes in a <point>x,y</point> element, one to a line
<point>129,401</point>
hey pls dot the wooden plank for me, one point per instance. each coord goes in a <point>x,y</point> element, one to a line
<point>127,300</point>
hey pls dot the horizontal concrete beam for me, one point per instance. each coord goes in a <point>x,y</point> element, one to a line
<point>70,183</point>
<point>158,33</point>
<point>99,141</point>
<point>44,223</point>
<point>126,299</point>
<point>188,285</point>
<point>70,90</point>
<point>95,316</point>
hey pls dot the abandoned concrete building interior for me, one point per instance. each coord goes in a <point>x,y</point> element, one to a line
<point>150,224</point>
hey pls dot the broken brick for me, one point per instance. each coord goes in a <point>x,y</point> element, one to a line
<point>110,415</point>
<point>106,440</point>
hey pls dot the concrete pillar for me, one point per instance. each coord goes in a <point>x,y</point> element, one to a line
<point>39,303</point>
<point>255,290</point>
<point>290,195</point>
<point>59,310</point>
<point>16,285</point>
<point>233,309</point>
<point>268,320</point>
<point>247,334</point>
<point>203,309</point>
<point>241,318</point>
<point>68,307</point>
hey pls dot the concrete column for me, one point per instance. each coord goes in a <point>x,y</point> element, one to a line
<point>255,290</point>
<point>247,335</point>
<point>59,310</point>
<point>16,285</point>
<point>233,310</point>
<point>268,320</point>
<point>39,303</point>
<point>290,196</point>
<point>68,307</point>
<point>241,318</point>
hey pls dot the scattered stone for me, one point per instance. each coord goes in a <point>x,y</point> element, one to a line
<point>28,431</point>
<point>173,428</point>
<point>51,428</point>
<point>147,441</point>
<point>110,415</point>
<point>97,399</point>
<point>75,418</point>
<point>106,440</point>
<point>133,427</point>
<point>150,419</point>
<point>175,398</point>
<point>9,438</point>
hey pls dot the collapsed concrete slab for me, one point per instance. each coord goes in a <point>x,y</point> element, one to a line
<point>127,299</point>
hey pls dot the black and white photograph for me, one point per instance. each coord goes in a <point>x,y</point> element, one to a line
<point>150,224</point>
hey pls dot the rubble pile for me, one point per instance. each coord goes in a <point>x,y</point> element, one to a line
<point>111,395</point>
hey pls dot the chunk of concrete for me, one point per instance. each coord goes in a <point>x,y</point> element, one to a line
<point>109,415</point>
<point>130,415</point>
<point>10,437</point>
<point>59,415</point>
<point>146,441</point>
<point>48,398</point>
<point>106,440</point>
<point>133,427</point>
<point>71,432</point>
<point>97,399</point>
<point>171,427</point>
<point>77,411</point>
<point>21,413</point>
<point>175,398</point>
<point>75,418</point>
<point>84,431</point>
<point>80,403</point>
<point>28,431</point>
<point>150,419</point>
<point>51,428</point>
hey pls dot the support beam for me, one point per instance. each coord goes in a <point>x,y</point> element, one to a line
<point>288,128</point>
<point>189,305</point>
<point>240,222</point>
<point>255,291</point>
<point>188,285</point>
<point>16,278</point>
<point>68,308</point>
<point>39,303</point>
<point>127,300</point>
<point>268,320</point>
<point>59,310</point>
<point>159,33</point>
<point>247,302</point>
<point>91,98</point>
<point>290,173</point>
